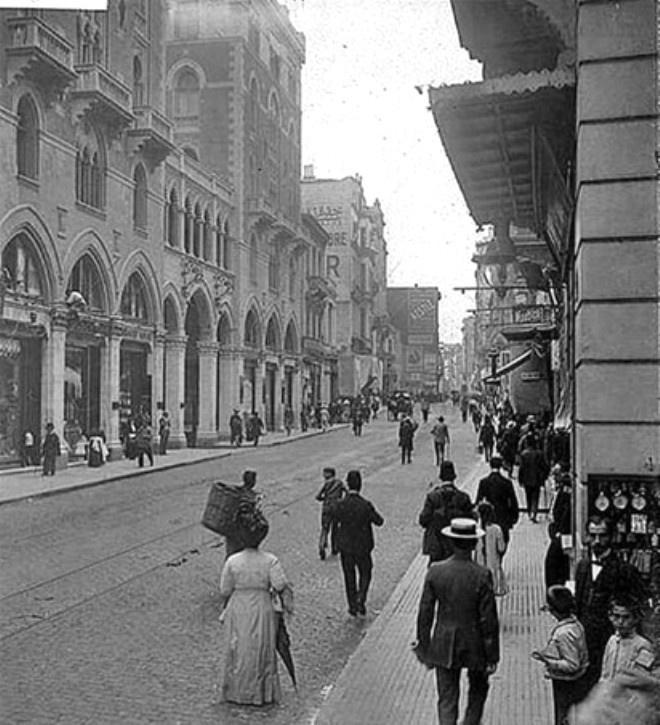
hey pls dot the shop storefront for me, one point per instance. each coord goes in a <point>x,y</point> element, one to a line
<point>20,386</point>
<point>82,393</point>
<point>134,382</point>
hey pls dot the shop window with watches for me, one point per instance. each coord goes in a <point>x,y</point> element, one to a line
<point>632,503</point>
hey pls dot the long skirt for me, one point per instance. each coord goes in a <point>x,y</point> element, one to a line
<point>250,664</point>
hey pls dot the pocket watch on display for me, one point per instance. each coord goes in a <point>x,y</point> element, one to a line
<point>602,503</point>
<point>620,498</point>
<point>639,499</point>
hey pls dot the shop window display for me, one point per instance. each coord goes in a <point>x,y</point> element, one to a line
<point>9,402</point>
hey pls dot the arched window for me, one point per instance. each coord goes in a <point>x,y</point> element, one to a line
<point>273,270</point>
<point>27,139</point>
<point>21,267</point>
<point>172,219</point>
<point>251,335</point>
<point>290,339</point>
<point>134,299</point>
<point>253,258</point>
<point>207,249</point>
<point>138,82</point>
<point>226,246</point>
<point>186,95</point>
<point>272,336</point>
<point>293,277</point>
<point>90,173</point>
<point>140,197</point>
<point>197,232</point>
<point>85,278</point>
<point>188,226</point>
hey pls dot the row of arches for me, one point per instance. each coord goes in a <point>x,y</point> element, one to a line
<point>188,226</point>
<point>26,272</point>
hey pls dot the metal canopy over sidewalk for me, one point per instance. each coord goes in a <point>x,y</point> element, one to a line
<point>491,132</point>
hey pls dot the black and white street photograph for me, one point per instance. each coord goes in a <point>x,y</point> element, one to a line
<point>330,362</point>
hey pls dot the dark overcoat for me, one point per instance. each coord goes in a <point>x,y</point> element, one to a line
<point>499,491</point>
<point>356,516</point>
<point>442,504</point>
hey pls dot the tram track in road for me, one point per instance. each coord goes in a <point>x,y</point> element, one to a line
<point>52,598</point>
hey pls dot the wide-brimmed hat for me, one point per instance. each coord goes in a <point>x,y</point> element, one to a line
<point>465,529</point>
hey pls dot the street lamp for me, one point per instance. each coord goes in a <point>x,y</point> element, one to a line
<point>494,262</point>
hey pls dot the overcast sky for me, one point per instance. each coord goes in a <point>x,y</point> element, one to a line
<point>363,115</point>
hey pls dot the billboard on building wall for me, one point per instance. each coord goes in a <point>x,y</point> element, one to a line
<point>414,312</point>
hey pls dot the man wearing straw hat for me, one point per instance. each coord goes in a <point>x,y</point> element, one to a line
<point>466,633</point>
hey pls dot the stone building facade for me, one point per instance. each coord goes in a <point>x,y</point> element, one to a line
<point>356,262</point>
<point>153,252</point>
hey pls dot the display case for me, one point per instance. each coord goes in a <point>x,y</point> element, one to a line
<point>632,503</point>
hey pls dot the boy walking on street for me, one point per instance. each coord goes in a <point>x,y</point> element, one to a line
<point>565,656</point>
<point>330,494</point>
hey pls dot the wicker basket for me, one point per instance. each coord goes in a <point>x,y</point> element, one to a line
<point>221,507</point>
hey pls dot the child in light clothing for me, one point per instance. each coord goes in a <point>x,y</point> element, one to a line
<point>626,649</point>
<point>490,548</point>
<point>565,656</point>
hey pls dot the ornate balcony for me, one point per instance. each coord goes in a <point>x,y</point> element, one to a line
<point>530,321</point>
<point>151,134</point>
<point>39,54</point>
<point>361,294</point>
<point>260,209</point>
<point>319,289</point>
<point>315,347</point>
<point>103,96</point>
<point>360,345</point>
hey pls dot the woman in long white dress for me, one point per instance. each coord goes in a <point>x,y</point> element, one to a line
<point>248,583</point>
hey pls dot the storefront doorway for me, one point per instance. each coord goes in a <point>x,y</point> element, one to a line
<point>20,396</point>
<point>82,394</point>
<point>134,384</point>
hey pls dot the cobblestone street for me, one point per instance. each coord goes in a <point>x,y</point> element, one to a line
<point>110,594</point>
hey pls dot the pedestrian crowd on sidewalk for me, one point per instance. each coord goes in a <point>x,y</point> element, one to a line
<point>597,651</point>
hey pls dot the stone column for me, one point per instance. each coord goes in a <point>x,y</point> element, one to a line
<point>111,368</point>
<point>296,393</point>
<point>278,408</point>
<point>157,363</point>
<point>52,379</point>
<point>175,356</point>
<point>228,393</point>
<point>208,354</point>
<point>616,356</point>
<point>259,378</point>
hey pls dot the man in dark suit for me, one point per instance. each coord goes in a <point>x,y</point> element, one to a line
<point>355,516</point>
<point>498,490</point>
<point>598,577</point>
<point>443,503</point>
<point>466,633</point>
<point>532,474</point>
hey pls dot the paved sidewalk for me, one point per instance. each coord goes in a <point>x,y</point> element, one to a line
<point>383,684</point>
<point>22,483</point>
